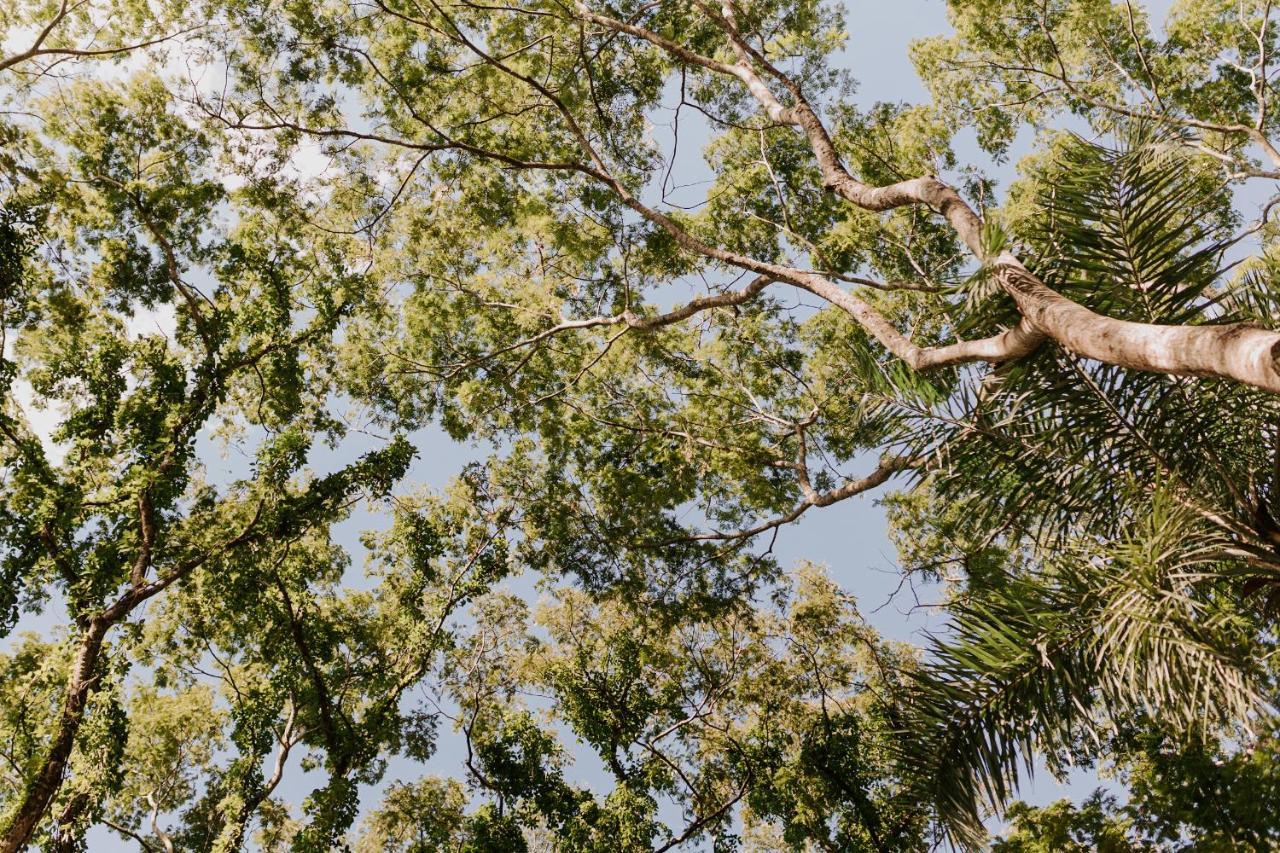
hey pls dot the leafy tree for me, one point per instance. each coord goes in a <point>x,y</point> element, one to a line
<point>1064,826</point>
<point>779,708</point>
<point>112,205</point>
<point>1181,796</point>
<point>1075,380</point>
<point>1108,459</point>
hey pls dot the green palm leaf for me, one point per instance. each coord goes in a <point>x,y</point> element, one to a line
<point>1134,496</point>
<point>1038,665</point>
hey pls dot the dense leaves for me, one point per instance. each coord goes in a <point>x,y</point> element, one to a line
<point>262,264</point>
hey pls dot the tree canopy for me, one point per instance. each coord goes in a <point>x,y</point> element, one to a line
<point>298,235</point>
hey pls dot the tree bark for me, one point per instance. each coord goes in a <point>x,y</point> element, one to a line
<point>1240,352</point>
<point>1236,351</point>
<point>81,683</point>
<point>40,792</point>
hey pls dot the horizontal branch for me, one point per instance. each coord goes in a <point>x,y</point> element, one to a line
<point>1239,351</point>
<point>628,318</point>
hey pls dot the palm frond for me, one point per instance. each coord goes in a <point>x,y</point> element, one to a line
<point>1055,442</point>
<point>1035,666</point>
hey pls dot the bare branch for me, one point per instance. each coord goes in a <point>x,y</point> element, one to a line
<point>881,475</point>
<point>37,48</point>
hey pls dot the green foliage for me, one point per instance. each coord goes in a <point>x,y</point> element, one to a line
<point>1112,588</point>
<point>1182,795</point>
<point>1048,663</point>
<point>460,218</point>
<point>1064,826</point>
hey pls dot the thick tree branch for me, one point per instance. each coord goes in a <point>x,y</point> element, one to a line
<point>1242,353</point>
<point>82,682</point>
<point>1238,352</point>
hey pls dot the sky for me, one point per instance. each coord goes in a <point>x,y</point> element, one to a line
<point>848,538</point>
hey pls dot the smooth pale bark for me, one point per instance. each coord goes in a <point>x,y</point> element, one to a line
<point>232,837</point>
<point>1013,343</point>
<point>1244,353</point>
<point>1236,351</point>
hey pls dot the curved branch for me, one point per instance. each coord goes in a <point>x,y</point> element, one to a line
<point>126,831</point>
<point>1239,351</point>
<point>1243,353</point>
<point>630,319</point>
<point>38,49</point>
<point>881,475</point>
<point>235,831</point>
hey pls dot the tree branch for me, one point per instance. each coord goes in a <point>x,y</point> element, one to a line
<point>881,475</point>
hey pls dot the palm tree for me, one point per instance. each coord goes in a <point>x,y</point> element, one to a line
<point>1136,509</point>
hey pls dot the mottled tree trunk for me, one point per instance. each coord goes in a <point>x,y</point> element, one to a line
<point>39,793</point>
